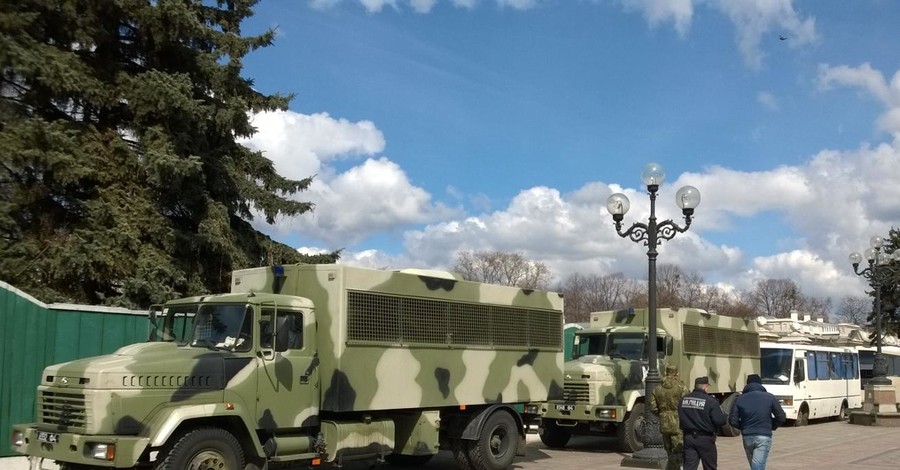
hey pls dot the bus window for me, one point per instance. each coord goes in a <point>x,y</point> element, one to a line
<point>823,366</point>
<point>811,365</point>
<point>798,371</point>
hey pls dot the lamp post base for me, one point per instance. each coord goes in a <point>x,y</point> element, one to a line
<point>880,397</point>
<point>652,458</point>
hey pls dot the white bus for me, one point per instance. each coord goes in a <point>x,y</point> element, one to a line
<point>867,364</point>
<point>811,381</point>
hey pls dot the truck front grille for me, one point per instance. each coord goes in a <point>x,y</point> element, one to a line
<point>65,410</point>
<point>576,392</point>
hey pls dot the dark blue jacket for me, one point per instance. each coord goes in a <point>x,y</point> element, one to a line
<point>756,412</point>
<point>700,413</point>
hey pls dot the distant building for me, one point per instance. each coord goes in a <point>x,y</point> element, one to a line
<point>804,329</point>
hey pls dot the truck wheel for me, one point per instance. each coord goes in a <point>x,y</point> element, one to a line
<point>402,460</point>
<point>460,448</point>
<point>203,448</point>
<point>627,431</point>
<point>553,435</point>
<point>728,405</point>
<point>495,449</point>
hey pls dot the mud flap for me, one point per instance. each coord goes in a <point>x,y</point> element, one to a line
<point>520,449</point>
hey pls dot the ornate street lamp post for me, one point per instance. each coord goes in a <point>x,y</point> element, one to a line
<point>876,274</point>
<point>651,234</point>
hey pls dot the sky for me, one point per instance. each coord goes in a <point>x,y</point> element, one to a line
<point>439,126</point>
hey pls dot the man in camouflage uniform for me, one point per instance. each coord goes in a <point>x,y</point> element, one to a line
<point>664,402</point>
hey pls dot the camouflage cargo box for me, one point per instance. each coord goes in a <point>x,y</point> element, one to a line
<point>417,339</point>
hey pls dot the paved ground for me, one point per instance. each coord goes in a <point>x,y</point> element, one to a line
<point>819,446</point>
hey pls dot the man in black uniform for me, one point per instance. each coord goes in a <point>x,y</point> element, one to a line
<point>700,417</point>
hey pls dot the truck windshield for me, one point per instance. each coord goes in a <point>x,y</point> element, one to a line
<point>589,345</point>
<point>213,326</point>
<point>775,365</point>
<point>627,345</point>
<point>615,345</point>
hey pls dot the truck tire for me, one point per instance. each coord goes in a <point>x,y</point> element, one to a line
<point>402,460</point>
<point>203,448</point>
<point>728,405</point>
<point>553,435</point>
<point>460,449</point>
<point>627,431</point>
<point>495,449</point>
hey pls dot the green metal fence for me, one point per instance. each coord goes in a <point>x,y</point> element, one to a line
<point>35,335</point>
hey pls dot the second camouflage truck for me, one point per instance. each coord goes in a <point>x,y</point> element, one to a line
<point>604,382</point>
<point>310,365</point>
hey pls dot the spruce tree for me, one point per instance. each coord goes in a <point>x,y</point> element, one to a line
<point>122,179</point>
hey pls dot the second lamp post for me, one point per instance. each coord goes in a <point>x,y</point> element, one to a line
<point>651,234</point>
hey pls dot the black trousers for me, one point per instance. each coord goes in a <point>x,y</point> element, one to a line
<point>700,448</point>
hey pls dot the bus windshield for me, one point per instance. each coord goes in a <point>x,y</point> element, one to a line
<point>775,365</point>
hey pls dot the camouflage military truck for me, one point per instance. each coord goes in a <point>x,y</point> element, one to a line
<point>310,365</point>
<point>604,381</point>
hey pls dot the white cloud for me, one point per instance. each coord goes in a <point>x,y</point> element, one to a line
<point>299,144</point>
<point>817,276</point>
<point>871,81</point>
<point>350,205</point>
<point>375,6</point>
<point>756,19</point>
<point>467,4</point>
<point>422,6</point>
<point>679,12</point>
<point>518,4</point>
<point>768,100</point>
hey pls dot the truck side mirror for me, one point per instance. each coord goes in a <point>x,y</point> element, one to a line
<point>155,311</point>
<point>670,346</point>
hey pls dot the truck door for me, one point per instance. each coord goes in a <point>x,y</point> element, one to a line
<point>288,379</point>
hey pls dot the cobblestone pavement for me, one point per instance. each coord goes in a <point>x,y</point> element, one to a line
<point>819,446</point>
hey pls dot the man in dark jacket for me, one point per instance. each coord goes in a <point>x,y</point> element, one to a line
<point>700,417</point>
<point>664,402</point>
<point>756,413</point>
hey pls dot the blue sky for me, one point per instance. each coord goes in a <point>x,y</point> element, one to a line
<point>435,126</point>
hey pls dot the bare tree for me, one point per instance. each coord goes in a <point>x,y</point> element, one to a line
<point>591,293</point>
<point>817,307</point>
<point>855,310</point>
<point>498,267</point>
<point>676,288</point>
<point>776,297</point>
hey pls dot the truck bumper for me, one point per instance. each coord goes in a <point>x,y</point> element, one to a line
<point>564,413</point>
<point>79,448</point>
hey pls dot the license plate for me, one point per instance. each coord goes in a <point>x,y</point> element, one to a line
<point>48,437</point>
<point>565,407</point>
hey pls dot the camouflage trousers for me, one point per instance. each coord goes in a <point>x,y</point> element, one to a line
<point>674,445</point>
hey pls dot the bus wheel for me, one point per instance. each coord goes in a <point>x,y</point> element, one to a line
<point>844,415</point>
<point>802,416</point>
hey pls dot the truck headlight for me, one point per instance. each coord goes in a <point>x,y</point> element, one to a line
<point>606,414</point>
<point>102,451</point>
<point>17,438</point>
<point>532,409</point>
<point>786,400</point>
